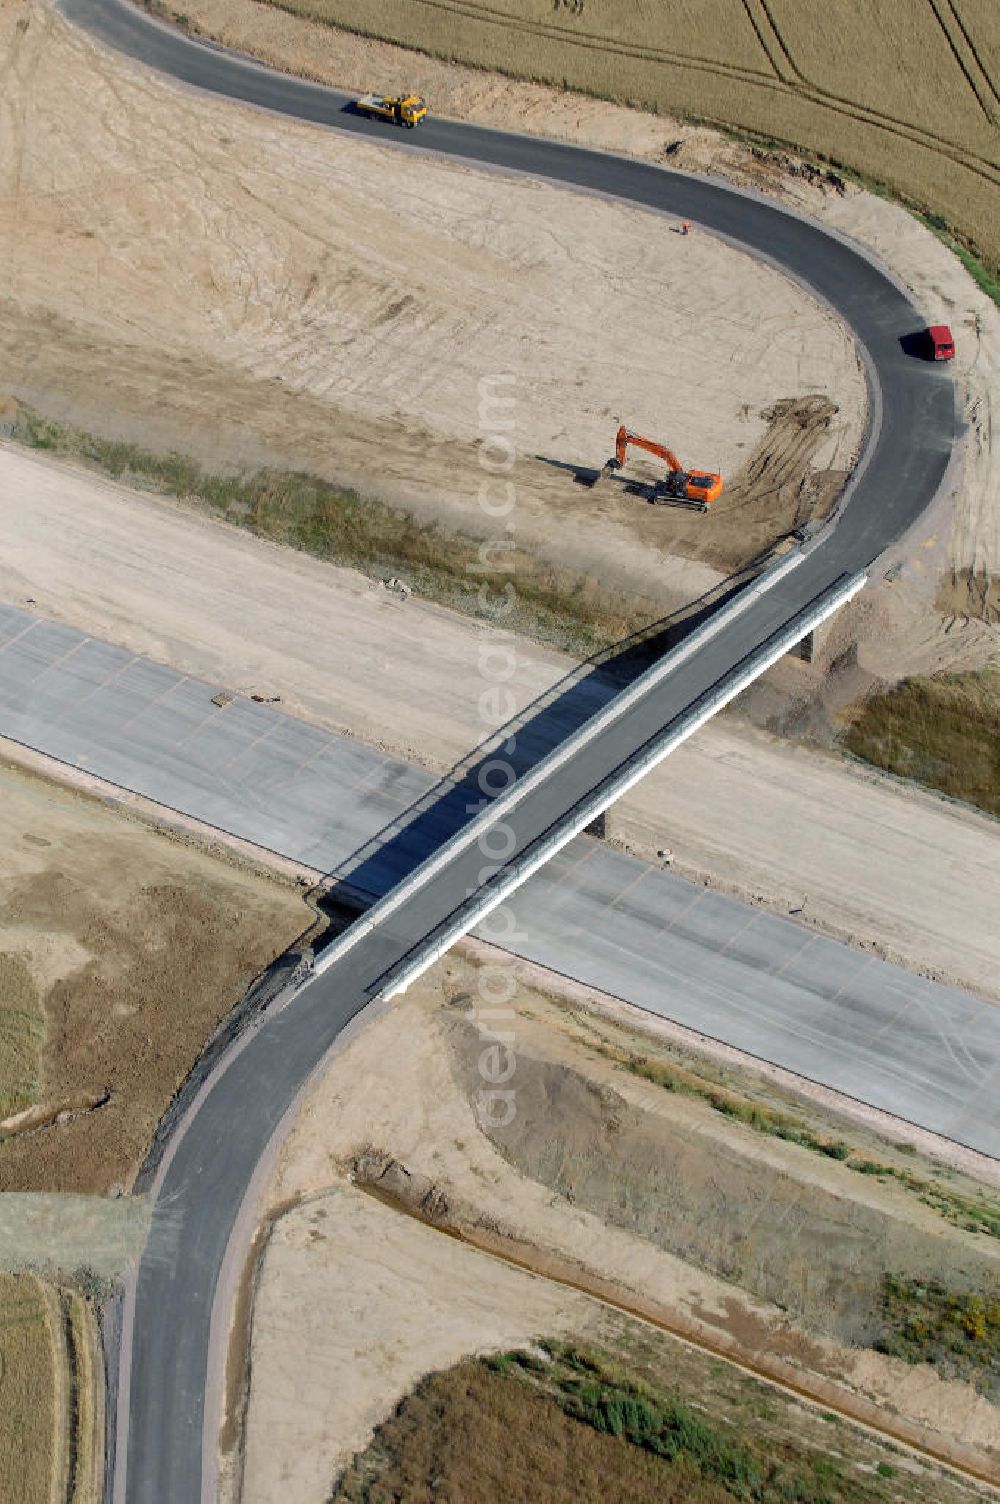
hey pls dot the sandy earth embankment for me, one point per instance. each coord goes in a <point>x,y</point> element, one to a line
<point>350,1305</point>
<point>191,272</point>
<point>356,1302</point>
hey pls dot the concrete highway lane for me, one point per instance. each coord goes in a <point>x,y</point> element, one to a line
<point>910,438</point>
<point>841,1017</point>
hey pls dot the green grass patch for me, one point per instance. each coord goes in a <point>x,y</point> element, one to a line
<point>22,1035</point>
<point>980,1214</point>
<point>942,731</point>
<point>561,1424</point>
<point>589,1391</point>
<point>985,275</point>
<point>957,1331</point>
<point>568,610</point>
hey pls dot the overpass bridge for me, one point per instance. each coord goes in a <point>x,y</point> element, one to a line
<point>177,1313</point>
<point>177,1309</point>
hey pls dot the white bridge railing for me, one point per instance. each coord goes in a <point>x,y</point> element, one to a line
<point>519,869</point>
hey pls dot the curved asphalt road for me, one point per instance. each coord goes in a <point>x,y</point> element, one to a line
<point>203,1182</point>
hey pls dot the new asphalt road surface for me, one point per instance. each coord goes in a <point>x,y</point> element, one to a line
<point>169,1407</point>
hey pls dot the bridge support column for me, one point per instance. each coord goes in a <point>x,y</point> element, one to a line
<point>601,827</point>
<point>812,643</point>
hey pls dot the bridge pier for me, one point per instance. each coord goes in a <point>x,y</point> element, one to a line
<point>811,645</point>
<point>806,649</point>
<point>601,827</point>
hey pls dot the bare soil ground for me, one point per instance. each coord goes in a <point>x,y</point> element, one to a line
<point>138,946</point>
<point>355,1302</point>
<point>406,676</point>
<point>728,1232</point>
<point>216,301</point>
<point>22,1035</point>
<point>942,586</point>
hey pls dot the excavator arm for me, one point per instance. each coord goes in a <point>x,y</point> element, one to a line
<point>625,437</point>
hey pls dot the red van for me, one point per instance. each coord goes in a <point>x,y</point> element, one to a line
<point>940,342</point>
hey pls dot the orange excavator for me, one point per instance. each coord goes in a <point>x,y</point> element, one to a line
<point>691,487</point>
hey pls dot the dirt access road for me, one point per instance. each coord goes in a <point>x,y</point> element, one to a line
<point>171,278</point>
<point>407,676</point>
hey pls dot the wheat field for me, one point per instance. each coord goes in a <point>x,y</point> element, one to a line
<point>28,1387</point>
<point>906,94</point>
<point>22,1035</point>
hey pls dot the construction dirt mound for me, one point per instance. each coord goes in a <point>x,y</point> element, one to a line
<point>781,484</point>
<point>778,489</point>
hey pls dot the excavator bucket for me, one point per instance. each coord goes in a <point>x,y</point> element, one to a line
<point>608,469</point>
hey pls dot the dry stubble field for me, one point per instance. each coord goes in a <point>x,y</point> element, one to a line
<point>906,94</point>
<point>28,1379</point>
<point>51,1400</point>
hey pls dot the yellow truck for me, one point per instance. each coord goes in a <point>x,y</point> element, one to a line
<point>401,109</point>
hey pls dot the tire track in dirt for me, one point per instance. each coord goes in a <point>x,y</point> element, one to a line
<point>968,71</point>
<point>867,114</point>
<point>21,64</point>
<point>974,50</point>
<point>765,24</point>
<point>593,41</point>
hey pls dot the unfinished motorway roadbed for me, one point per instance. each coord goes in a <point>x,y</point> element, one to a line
<point>781,992</point>
<point>175,1328</point>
